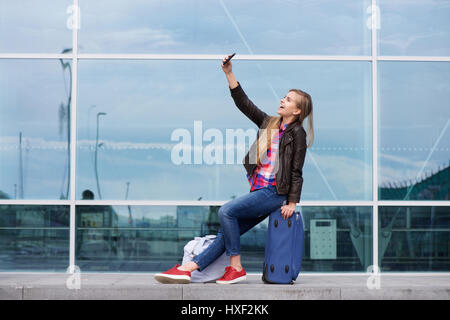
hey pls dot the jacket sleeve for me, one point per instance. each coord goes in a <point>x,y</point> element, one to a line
<point>298,160</point>
<point>247,106</point>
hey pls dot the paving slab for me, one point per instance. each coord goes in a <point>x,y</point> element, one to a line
<point>142,286</point>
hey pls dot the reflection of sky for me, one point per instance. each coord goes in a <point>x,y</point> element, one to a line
<point>217,26</point>
<point>30,97</point>
<point>190,26</point>
<point>141,117</point>
<point>146,115</point>
<point>414,27</point>
<point>414,118</point>
<point>146,100</point>
<point>407,27</point>
<point>34,26</point>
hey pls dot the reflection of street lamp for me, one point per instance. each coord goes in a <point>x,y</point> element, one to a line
<point>96,148</point>
<point>130,216</point>
<point>64,112</point>
<point>89,130</point>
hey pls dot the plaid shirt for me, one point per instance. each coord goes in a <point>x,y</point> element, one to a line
<point>263,174</point>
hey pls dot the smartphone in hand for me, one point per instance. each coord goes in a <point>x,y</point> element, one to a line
<point>229,58</point>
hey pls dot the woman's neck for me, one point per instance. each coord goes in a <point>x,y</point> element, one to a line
<point>286,120</point>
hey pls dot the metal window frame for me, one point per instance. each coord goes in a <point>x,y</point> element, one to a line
<point>375,203</point>
<point>73,144</point>
<point>375,138</point>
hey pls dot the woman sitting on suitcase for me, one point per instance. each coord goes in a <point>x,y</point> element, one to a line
<point>274,170</point>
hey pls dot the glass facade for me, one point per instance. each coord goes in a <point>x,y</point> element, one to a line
<point>119,114</point>
<point>214,27</point>
<point>34,238</point>
<point>414,130</point>
<point>35,105</point>
<point>414,238</point>
<point>126,98</point>
<point>40,27</point>
<point>414,28</point>
<point>151,238</point>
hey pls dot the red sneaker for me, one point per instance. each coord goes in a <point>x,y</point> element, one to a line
<point>231,275</point>
<point>174,276</point>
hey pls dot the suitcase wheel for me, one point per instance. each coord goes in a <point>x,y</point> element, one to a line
<point>263,278</point>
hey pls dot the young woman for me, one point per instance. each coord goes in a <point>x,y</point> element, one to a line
<point>274,166</point>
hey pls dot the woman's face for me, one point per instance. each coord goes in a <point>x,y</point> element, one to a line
<point>288,105</point>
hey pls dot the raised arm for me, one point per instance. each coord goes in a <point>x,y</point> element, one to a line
<point>241,100</point>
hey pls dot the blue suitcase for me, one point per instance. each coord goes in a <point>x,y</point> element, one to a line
<point>284,248</point>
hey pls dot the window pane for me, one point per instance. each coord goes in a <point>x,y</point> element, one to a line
<point>34,126</point>
<point>152,238</point>
<point>219,27</point>
<point>34,238</point>
<point>414,238</point>
<point>337,239</point>
<point>419,27</point>
<point>414,130</point>
<point>129,110</point>
<point>35,26</point>
<point>138,238</point>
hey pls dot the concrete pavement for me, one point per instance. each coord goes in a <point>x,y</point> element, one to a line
<point>42,286</point>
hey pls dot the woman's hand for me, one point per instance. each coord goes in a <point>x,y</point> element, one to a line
<point>288,210</point>
<point>232,82</point>
<point>228,67</point>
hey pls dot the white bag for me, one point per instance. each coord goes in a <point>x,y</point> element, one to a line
<point>212,272</point>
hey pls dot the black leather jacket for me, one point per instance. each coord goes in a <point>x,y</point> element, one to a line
<point>292,148</point>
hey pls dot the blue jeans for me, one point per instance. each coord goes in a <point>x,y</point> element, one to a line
<point>237,217</point>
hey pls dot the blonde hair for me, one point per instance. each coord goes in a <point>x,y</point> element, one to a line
<point>265,139</point>
<point>306,106</point>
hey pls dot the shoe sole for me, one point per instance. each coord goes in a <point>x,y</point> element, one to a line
<point>231,281</point>
<point>173,279</point>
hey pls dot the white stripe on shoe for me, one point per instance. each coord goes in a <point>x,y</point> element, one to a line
<point>166,278</point>
<point>231,281</point>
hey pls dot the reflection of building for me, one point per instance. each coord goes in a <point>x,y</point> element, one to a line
<point>97,232</point>
<point>205,220</point>
<point>414,237</point>
<point>435,186</point>
<point>29,234</point>
<point>4,195</point>
<point>191,216</point>
<point>351,238</point>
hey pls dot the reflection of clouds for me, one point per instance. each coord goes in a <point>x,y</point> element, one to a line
<point>401,160</point>
<point>395,175</point>
<point>182,183</point>
<point>207,26</point>
<point>90,144</point>
<point>347,172</point>
<point>428,3</point>
<point>305,35</point>
<point>9,143</point>
<point>414,27</point>
<point>37,26</point>
<point>144,38</point>
<point>403,168</point>
<point>403,42</point>
<point>346,177</point>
